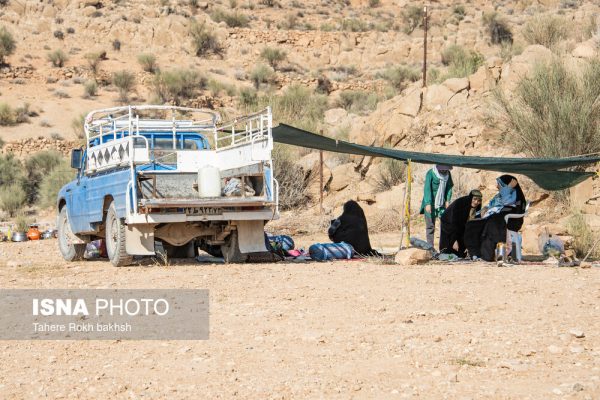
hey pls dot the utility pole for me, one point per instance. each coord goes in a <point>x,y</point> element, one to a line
<point>425,46</point>
<point>321,178</point>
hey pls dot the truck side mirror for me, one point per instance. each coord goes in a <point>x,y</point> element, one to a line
<point>76,158</point>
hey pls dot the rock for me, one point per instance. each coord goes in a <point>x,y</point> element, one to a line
<point>576,349</point>
<point>88,11</point>
<point>477,80</point>
<point>335,116</point>
<point>342,176</point>
<point>584,50</point>
<point>412,256</point>
<point>410,104</point>
<point>457,84</point>
<point>577,387</point>
<point>555,349</point>
<point>578,333</point>
<point>580,194</point>
<point>203,5</point>
<point>437,97</point>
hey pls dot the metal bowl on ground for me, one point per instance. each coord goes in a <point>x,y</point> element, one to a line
<point>19,237</point>
<point>49,234</point>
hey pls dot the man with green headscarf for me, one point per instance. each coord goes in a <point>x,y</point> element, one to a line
<point>437,194</point>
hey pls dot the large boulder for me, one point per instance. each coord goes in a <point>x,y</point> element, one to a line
<point>335,116</point>
<point>457,84</point>
<point>521,65</point>
<point>410,103</point>
<point>412,256</point>
<point>343,175</point>
<point>437,97</point>
<point>581,193</point>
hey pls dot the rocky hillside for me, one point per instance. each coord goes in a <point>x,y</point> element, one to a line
<point>363,57</point>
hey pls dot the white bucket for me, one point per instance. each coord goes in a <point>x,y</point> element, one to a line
<point>209,181</point>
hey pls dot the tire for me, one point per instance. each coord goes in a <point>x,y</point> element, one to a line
<point>70,251</point>
<point>231,250</point>
<point>115,238</point>
<point>211,249</point>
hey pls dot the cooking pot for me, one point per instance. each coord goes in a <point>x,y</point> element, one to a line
<point>19,237</point>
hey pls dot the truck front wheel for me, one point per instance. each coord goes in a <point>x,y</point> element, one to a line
<point>69,250</point>
<point>115,238</point>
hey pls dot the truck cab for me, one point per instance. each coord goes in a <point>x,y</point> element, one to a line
<point>172,174</point>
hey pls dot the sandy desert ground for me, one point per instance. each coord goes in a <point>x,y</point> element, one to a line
<point>324,330</point>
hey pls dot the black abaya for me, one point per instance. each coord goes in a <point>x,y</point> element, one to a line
<point>351,227</point>
<point>453,223</point>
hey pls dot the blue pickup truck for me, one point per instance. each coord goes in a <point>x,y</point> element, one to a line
<point>173,175</point>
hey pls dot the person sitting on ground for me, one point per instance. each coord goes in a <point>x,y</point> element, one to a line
<point>351,227</point>
<point>437,192</point>
<point>483,235</point>
<point>454,220</point>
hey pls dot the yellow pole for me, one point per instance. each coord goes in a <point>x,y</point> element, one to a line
<point>407,204</point>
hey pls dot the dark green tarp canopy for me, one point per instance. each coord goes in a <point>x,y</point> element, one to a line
<point>545,172</point>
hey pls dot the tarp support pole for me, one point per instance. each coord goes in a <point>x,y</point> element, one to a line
<point>405,233</point>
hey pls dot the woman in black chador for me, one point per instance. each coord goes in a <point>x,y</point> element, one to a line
<point>482,235</point>
<point>454,219</point>
<point>351,227</point>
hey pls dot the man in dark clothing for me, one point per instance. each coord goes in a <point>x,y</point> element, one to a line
<point>454,220</point>
<point>437,192</point>
<point>351,228</point>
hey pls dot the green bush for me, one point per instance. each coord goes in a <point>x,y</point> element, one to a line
<point>273,56</point>
<point>178,85</point>
<point>22,222</point>
<point>38,166</point>
<point>12,199</point>
<point>412,16</point>
<point>353,25</point>
<point>7,115</point>
<point>148,62</point>
<point>57,58</point>
<point>125,82</point>
<point>203,41</point>
<point>7,44</point>
<point>461,63</point>
<point>59,176</point>
<point>357,101</point>
<point>555,111</point>
<point>297,105</point>
<point>248,97</point>
<point>546,30</point>
<point>11,171</point>
<point>497,28</point>
<point>216,87</point>
<point>374,3</point>
<point>400,76</point>
<point>459,12</point>
<point>233,19</point>
<point>391,173</point>
<point>90,89</point>
<point>261,74</point>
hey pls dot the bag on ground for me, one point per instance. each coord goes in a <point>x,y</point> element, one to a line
<point>331,251</point>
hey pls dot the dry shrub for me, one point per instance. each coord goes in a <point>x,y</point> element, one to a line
<point>7,44</point>
<point>148,62</point>
<point>555,111</point>
<point>57,58</point>
<point>583,237</point>
<point>497,28</point>
<point>178,85</point>
<point>125,82</point>
<point>391,173</point>
<point>388,220</point>
<point>204,41</point>
<point>293,188</point>
<point>546,30</point>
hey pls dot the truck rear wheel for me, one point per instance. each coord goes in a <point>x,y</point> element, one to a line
<point>115,238</point>
<point>231,250</point>
<point>69,250</point>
